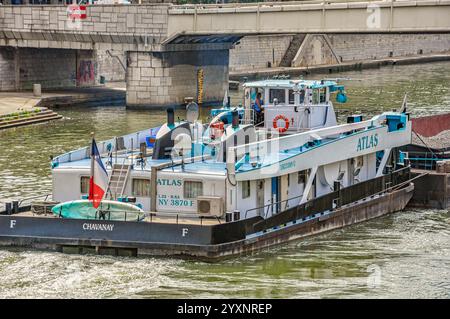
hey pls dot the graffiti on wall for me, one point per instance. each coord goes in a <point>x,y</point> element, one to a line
<point>86,73</point>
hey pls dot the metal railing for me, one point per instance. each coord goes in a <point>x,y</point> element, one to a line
<point>106,147</point>
<point>335,199</point>
<point>245,4</point>
<point>119,215</point>
<point>426,160</point>
<point>24,202</point>
<point>270,207</point>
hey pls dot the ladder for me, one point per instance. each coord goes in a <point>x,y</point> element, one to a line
<point>118,180</point>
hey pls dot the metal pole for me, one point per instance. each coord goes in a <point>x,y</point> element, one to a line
<point>131,151</point>
<point>115,150</point>
<point>92,157</point>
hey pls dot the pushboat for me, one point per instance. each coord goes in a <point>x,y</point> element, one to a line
<point>233,185</point>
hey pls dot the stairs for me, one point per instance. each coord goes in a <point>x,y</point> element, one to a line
<point>118,180</point>
<point>21,118</point>
<point>292,50</point>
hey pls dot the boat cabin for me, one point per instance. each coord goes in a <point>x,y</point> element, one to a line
<point>291,105</point>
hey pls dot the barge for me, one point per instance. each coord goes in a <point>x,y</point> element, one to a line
<point>235,185</point>
<point>429,153</point>
<point>205,239</point>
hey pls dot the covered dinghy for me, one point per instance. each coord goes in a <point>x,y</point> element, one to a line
<point>108,210</point>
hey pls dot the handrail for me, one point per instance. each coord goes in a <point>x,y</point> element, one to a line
<point>384,190</point>
<point>21,201</point>
<point>35,197</point>
<point>271,205</point>
<point>138,216</point>
<point>83,153</point>
<point>263,4</point>
<point>102,214</point>
<point>294,140</point>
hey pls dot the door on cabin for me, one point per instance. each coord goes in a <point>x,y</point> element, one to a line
<point>275,195</point>
<point>260,197</point>
<point>284,192</point>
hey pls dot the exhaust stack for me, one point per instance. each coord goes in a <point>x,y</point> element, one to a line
<point>235,119</point>
<point>170,117</point>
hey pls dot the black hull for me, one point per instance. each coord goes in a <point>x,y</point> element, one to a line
<point>203,242</point>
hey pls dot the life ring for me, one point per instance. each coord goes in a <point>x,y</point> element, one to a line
<point>286,123</point>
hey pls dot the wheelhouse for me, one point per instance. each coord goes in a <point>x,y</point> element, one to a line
<point>291,105</point>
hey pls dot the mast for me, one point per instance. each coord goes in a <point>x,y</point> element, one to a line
<point>92,163</point>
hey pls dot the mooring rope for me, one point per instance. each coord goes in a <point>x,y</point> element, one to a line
<point>425,144</point>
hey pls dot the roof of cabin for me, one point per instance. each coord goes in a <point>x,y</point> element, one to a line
<point>209,167</point>
<point>86,163</point>
<point>289,84</point>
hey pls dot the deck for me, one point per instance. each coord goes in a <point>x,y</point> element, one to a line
<point>181,219</point>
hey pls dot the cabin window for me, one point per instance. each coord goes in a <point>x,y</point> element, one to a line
<point>193,189</point>
<point>302,96</point>
<point>245,189</point>
<point>279,94</point>
<point>315,96</point>
<point>84,184</point>
<point>322,95</point>
<point>301,179</point>
<point>140,187</point>
<point>291,97</point>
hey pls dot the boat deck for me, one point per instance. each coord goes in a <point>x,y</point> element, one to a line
<point>160,219</point>
<point>125,158</point>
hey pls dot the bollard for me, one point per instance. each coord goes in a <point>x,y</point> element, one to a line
<point>15,207</point>
<point>228,217</point>
<point>236,215</point>
<point>8,208</point>
<point>37,90</point>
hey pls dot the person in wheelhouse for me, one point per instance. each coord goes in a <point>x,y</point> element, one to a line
<point>258,108</point>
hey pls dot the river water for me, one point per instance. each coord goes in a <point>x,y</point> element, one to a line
<point>405,255</point>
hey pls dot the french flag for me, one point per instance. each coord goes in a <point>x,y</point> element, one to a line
<point>98,183</point>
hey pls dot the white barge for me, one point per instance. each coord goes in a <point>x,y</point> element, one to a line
<point>232,186</point>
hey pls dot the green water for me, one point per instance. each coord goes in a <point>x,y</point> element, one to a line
<point>406,254</point>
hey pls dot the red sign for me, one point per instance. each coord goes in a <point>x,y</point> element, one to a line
<point>77,12</point>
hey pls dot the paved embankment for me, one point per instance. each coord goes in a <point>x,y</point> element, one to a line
<point>344,66</point>
<point>23,108</point>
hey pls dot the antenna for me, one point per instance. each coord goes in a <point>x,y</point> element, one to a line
<point>341,79</point>
<point>192,112</point>
<point>404,104</point>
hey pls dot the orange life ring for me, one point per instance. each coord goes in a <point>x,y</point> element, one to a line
<point>286,123</point>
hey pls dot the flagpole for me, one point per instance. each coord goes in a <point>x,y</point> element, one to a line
<point>91,180</point>
<point>92,155</point>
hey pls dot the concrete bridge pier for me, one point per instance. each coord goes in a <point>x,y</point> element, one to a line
<point>20,68</point>
<point>166,77</point>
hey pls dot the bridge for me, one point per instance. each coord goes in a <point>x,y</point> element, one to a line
<point>146,27</point>
<point>311,17</point>
<point>168,49</point>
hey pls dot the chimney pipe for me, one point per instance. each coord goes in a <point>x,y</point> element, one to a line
<point>170,117</point>
<point>235,119</point>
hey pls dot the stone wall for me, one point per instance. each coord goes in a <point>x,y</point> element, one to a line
<point>7,69</point>
<point>254,52</point>
<point>48,67</point>
<point>166,78</point>
<point>111,67</point>
<point>377,46</point>
<point>257,52</point>
<point>316,49</point>
<point>49,26</point>
<point>20,68</point>
<point>52,68</point>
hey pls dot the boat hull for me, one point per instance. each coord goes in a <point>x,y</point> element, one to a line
<point>196,241</point>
